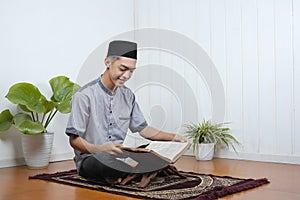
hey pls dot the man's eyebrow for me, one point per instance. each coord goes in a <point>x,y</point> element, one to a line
<point>122,65</point>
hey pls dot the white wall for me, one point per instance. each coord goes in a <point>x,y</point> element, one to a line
<point>41,39</point>
<point>255,46</point>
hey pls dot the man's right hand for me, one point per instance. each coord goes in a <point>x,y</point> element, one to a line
<point>82,145</point>
<point>111,148</point>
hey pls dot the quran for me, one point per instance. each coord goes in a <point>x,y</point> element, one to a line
<point>164,151</point>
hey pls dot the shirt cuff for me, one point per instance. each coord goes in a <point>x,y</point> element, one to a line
<point>140,127</point>
<point>71,131</point>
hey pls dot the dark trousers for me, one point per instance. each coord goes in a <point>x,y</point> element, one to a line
<point>100,166</point>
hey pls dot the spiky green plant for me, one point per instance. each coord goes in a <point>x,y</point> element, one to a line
<point>209,132</point>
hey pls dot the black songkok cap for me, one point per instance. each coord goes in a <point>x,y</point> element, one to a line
<point>122,48</point>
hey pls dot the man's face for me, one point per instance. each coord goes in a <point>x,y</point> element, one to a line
<point>120,70</point>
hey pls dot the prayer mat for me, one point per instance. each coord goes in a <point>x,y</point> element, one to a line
<point>194,186</point>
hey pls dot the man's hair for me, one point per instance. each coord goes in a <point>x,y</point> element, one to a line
<point>113,58</point>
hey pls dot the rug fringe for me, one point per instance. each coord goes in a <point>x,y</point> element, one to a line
<point>223,191</point>
<point>46,176</point>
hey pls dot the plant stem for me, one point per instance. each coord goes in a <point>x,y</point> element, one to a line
<point>43,118</point>
<point>37,116</point>
<point>32,115</point>
<point>50,117</point>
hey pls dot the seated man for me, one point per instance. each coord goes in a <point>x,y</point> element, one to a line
<point>102,112</point>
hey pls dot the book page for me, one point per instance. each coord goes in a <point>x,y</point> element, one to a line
<point>169,150</point>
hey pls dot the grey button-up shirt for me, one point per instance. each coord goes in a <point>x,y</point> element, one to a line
<point>101,117</point>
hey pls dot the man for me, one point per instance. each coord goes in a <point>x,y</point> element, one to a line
<point>102,112</point>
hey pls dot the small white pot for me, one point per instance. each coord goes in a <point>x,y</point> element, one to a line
<point>37,149</point>
<point>205,151</point>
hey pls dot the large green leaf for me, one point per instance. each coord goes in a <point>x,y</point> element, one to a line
<point>6,120</point>
<point>24,108</point>
<point>29,96</point>
<point>64,106</point>
<point>49,106</point>
<point>24,123</point>
<point>63,90</point>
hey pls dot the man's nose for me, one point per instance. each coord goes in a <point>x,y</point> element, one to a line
<point>127,74</point>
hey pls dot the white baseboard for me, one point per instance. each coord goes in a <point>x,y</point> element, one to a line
<point>288,159</point>
<point>254,157</point>
<point>12,162</point>
<point>20,161</point>
<point>61,157</point>
<point>221,154</point>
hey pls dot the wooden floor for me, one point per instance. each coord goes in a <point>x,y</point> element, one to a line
<point>285,180</point>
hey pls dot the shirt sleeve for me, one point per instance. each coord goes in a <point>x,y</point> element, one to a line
<point>137,122</point>
<point>79,115</point>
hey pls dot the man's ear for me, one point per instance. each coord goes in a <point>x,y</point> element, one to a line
<point>107,62</point>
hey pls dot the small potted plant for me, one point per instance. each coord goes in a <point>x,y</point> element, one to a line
<point>34,114</point>
<point>208,137</point>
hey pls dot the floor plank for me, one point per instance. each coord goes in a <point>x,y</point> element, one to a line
<point>285,180</point>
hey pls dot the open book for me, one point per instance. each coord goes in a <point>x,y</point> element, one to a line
<point>165,150</point>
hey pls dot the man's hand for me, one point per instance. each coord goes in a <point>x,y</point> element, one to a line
<point>179,138</point>
<point>82,145</point>
<point>111,148</point>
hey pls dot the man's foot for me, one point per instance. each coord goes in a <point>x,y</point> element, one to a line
<point>113,181</point>
<point>129,178</point>
<point>146,178</point>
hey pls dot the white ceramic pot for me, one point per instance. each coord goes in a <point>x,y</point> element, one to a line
<point>205,151</point>
<point>37,149</point>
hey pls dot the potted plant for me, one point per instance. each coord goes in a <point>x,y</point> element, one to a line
<point>34,114</point>
<point>208,137</point>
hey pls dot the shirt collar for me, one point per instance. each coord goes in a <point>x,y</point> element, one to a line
<point>104,88</point>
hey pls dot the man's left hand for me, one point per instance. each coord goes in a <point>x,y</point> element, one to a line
<point>179,138</point>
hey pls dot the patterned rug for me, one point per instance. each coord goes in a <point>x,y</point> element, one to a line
<point>195,186</point>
